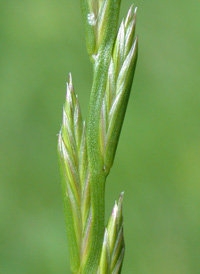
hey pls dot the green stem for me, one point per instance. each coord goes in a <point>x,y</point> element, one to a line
<point>98,172</point>
<point>96,164</point>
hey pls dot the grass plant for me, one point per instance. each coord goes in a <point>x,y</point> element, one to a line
<point>86,154</point>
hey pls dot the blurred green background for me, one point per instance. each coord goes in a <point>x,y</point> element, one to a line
<point>158,158</point>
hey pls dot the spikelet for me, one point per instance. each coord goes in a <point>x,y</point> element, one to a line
<point>113,245</point>
<point>75,174</point>
<point>119,82</point>
<point>99,15</point>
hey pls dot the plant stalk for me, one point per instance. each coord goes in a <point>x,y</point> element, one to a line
<point>98,172</point>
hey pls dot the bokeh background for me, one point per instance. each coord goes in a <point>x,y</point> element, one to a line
<point>158,158</point>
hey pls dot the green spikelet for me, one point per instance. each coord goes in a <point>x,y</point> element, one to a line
<point>119,82</point>
<point>99,16</point>
<point>113,245</point>
<point>75,175</point>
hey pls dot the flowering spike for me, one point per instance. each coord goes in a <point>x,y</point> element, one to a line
<point>86,157</point>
